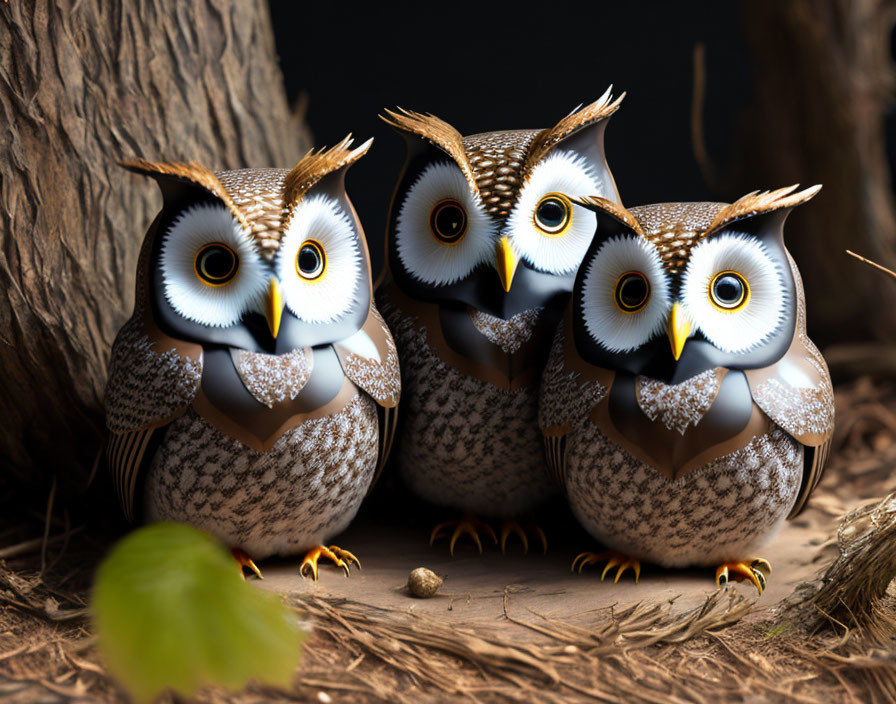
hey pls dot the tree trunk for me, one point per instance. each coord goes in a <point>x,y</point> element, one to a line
<point>823,80</point>
<point>83,83</point>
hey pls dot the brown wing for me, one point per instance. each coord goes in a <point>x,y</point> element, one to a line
<point>148,387</point>
<point>797,394</point>
<point>569,390</point>
<point>370,359</point>
<point>814,460</point>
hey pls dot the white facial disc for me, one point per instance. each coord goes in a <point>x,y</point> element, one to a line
<point>424,256</point>
<point>194,230</point>
<point>569,176</point>
<point>762,312</point>
<point>606,321</point>
<point>324,293</point>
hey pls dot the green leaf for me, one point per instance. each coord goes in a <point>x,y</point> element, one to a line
<point>171,611</point>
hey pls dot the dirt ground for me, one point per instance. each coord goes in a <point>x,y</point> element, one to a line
<point>521,627</point>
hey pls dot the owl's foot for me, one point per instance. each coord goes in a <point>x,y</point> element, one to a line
<point>339,557</point>
<point>468,525</point>
<point>508,527</point>
<point>614,559</point>
<point>756,571</point>
<point>244,561</point>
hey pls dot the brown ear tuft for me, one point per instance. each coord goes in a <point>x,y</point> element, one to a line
<point>578,119</point>
<point>312,167</point>
<point>435,131</point>
<point>611,208</point>
<point>757,203</point>
<point>189,172</point>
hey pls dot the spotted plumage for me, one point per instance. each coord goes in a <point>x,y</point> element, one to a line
<point>687,416</point>
<point>482,248</point>
<point>465,442</point>
<point>253,391</point>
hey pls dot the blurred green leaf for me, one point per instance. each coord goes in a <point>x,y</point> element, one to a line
<point>171,611</point>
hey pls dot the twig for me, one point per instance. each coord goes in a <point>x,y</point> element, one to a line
<point>698,137</point>
<point>27,546</point>
<point>871,263</point>
<point>49,517</point>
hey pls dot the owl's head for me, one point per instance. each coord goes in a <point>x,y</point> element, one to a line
<point>488,220</point>
<point>670,290</point>
<point>265,260</point>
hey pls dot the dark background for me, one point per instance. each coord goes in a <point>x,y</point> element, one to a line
<point>484,67</point>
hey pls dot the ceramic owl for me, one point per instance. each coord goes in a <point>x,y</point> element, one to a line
<point>685,411</point>
<point>482,247</point>
<point>252,393</point>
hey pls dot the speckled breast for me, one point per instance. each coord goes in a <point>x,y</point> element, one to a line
<point>300,493</point>
<point>465,443</point>
<point>722,510</point>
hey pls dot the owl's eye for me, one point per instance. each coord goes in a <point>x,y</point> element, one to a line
<point>210,269</point>
<point>729,291</point>
<point>553,214</point>
<point>442,231</point>
<point>632,292</point>
<point>547,230</point>
<point>448,221</point>
<point>734,315</point>
<point>320,261</point>
<point>216,264</point>
<point>625,276</point>
<point>311,262</point>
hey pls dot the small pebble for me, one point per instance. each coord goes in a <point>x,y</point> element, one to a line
<point>423,583</point>
<point>324,698</point>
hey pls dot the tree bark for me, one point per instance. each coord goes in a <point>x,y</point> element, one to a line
<point>83,83</point>
<point>823,79</point>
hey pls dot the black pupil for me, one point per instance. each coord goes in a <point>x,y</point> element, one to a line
<point>309,260</point>
<point>729,289</point>
<point>632,291</point>
<point>551,213</point>
<point>450,222</point>
<point>217,264</point>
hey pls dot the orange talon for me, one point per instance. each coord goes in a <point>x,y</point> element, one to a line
<point>332,553</point>
<point>346,556</point>
<point>468,525</point>
<point>513,527</point>
<point>614,559</point>
<point>756,572</point>
<point>509,527</point>
<point>243,560</point>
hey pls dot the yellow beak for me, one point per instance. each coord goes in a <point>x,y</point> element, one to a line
<point>273,308</point>
<point>678,327</point>
<point>505,262</point>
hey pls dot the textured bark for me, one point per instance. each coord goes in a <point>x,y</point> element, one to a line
<point>83,83</point>
<point>823,80</point>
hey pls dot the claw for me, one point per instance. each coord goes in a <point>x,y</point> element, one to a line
<point>513,527</point>
<point>614,559</point>
<point>468,525</point>
<point>339,557</point>
<point>754,572</point>
<point>346,556</point>
<point>243,560</point>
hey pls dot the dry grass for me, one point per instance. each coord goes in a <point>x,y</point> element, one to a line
<point>832,640</point>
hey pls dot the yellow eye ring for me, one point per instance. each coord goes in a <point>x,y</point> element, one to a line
<point>553,214</point>
<point>448,222</point>
<point>636,297</point>
<point>311,261</point>
<point>728,292</point>
<point>216,264</point>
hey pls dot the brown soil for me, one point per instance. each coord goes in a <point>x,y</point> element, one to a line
<point>523,627</point>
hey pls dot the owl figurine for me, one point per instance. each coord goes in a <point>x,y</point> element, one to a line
<point>685,411</point>
<point>253,391</point>
<point>482,247</point>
